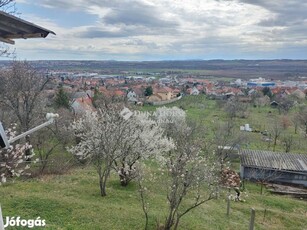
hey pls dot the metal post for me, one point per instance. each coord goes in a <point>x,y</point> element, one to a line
<point>1,220</point>
<point>252,220</point>
<point>3,138</point>
<point>31,131</point>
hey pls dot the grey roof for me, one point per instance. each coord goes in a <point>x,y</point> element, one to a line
<point>12,27</point>
<point>84,94</point>
<point>274,160</point>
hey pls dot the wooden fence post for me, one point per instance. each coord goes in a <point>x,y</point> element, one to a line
<point>264,214</point>
<point>252,220</point>
<point>228,205</point>
<point>217,192</point>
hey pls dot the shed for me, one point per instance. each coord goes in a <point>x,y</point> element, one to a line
<point>277,167</point>
<point>274,104</point>
<point>12,27</point>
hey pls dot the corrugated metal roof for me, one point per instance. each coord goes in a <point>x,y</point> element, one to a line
<point>12,27</point>
<point>274,160</point>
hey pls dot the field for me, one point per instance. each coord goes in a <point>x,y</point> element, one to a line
<point>72,200</point>
<point>245,69</point>
<point>211,113</point>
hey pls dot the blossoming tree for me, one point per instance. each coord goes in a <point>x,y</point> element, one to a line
<point>112,141</point>
<point>190,172</point>
<point>13,160</point>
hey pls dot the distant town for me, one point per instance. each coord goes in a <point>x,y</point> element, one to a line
<point>161,87</point>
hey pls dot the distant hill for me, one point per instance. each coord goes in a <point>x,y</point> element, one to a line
<point>275,69</point>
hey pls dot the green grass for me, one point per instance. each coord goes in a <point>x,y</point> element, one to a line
<point>211,112</point>
<point>72,201</point>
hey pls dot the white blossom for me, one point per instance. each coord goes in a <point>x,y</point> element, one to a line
<point>13,159</point>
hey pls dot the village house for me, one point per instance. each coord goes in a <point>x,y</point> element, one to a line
<point>132,97</point>
<point>194,91</point>
<point>161,94</point>
<point>298,94</point>
<point>81,105</point>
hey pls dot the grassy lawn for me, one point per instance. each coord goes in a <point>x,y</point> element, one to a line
<point>72,201</point>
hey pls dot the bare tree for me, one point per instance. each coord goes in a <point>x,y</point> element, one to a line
<point>54,137</point>
<point>234,108</point>
<point>295,121</point>
<point>288,142</point>
<point>256,98</point>
<point>275,131</point>
<point>9,7</point>
<point>227,141</point>
<point>21,92</point>
<point>302,116</point>
<point>262,101</point>
<point>285,104</point>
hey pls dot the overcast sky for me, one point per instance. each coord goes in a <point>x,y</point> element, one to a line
<point>166,29</point>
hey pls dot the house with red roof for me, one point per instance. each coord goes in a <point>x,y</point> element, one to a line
<point>82,104</point>
<point>161,94</point>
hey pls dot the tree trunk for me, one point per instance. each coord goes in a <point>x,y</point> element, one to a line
<point>124,180</point>
<point>103,177</point>
<point>124,177</point>
<point>275,143</point>
<point>170,220</point>
<point>295,128</point>
<point>102,187</point>
<point>177,223</point>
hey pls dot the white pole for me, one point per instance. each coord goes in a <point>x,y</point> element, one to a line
<point>30,131</point>
<point>49,116</point>
<point>3,137</point>
<point>1,220</point>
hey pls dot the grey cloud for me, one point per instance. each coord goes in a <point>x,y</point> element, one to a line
<point>61,4</point>
<point>130,18</point>
<point>123,31</point>
<point>291,15</point>
<point>94,32</point>
<point>139,42</point>
<point>137,13</point>
<point>272,23</point>
<point>121,12</point>
<point>207,44</point>
<point>287,11</point>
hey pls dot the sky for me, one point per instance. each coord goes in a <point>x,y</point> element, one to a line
<point>137,30</point>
